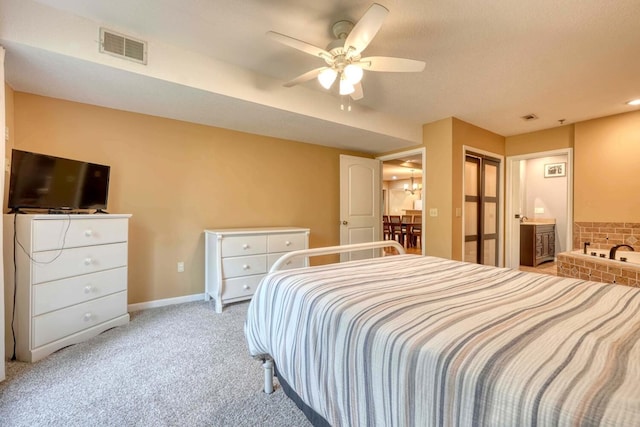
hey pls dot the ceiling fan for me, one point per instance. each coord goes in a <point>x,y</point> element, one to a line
<point>343,55</point>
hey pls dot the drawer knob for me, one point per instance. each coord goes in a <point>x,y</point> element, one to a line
<point>88,233</point>
<point>88,261</point>
<point>245,246</point>
<point>87,317</point>
<point>87,289</point>
<point>287,243</point>
<point>246,267</point>
<point>246,287</point>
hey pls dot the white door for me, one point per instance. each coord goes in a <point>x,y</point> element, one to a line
<point>360,191</point>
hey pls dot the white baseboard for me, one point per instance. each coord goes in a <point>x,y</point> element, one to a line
<point>164,302</point>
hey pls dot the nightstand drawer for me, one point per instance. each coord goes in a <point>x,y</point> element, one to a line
<point>70,233</point>
<point>243,245</point>
<point>286,242</point>
<point>61,323</point>
<point>244,266</point>
<point>62,293</point>
<point>240,287</point>
<point>58,264</point>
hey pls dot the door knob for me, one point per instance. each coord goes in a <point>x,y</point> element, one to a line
<point>345,222</point>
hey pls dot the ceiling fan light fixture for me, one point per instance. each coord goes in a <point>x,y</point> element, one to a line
<point>346,88</point>
<point>353,73</point>
<point>327,77</point>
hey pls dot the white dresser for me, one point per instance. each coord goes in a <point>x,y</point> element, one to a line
<point>237,259</point>
<point>71,281</point>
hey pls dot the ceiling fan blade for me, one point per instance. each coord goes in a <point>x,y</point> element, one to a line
<point>309,75</point>
<point>387,63</point>
<point>357,93</point>
<point>299,44</point>
<point>365,30</point>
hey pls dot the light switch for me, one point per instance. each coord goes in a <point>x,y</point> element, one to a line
<point>538,210</point>
<point>433,212</point>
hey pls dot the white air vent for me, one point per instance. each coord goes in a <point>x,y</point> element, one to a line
<point>529,117</point>
<point>123,46</point>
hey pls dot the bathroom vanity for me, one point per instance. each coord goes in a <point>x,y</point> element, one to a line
<point>537,242</point>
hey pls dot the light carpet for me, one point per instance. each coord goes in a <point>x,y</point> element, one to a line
<point>181,365</point>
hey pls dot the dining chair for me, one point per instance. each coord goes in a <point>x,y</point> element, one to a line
<point>395,222</point>
<point>415,234</point>
<point>386,227</point>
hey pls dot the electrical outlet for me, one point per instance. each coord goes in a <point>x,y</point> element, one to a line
<point>180,267</point>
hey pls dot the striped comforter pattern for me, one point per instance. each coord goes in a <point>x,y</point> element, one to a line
<point>421,341</point>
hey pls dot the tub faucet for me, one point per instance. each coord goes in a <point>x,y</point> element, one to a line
<point>612,252</point>
<point>586,245</point>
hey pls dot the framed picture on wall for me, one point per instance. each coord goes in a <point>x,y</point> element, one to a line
<point>552,170</point>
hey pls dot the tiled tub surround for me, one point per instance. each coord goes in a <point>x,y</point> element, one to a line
<point>604,235</point>
<point>601,269</point>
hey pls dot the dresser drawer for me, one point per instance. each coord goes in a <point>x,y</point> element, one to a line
<point>58,233</point>
<point>240,286</point>
<point>286,242</point>
<point>61,323</point>
<point>244,266</point>
<point>58,264</point>
<point>296,262</point>
<point>62,293</point>
<point>243,245</point>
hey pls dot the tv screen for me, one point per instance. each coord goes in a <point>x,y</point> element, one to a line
<point>40,181</point>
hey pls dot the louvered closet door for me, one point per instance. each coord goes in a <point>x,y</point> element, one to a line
<point>481,178</point>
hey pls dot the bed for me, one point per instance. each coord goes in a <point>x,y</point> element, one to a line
<point>412,340</point>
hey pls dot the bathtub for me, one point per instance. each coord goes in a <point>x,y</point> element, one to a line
<point>599,267</point>
<point>603,254</point>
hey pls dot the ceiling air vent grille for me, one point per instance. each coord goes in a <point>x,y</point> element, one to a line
<point>123,46</point>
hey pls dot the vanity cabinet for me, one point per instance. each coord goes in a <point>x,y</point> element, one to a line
<point>70,280</point>
<point>537,243</point>
<point>237,259</point>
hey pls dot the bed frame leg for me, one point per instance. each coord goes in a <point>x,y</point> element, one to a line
<point>268,376</point>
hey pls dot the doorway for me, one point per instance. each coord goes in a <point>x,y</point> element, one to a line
<point>481,208</point>
<point>403,194</point>
<point>535,195</point>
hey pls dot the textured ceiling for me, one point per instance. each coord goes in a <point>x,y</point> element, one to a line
<point>488,63</point>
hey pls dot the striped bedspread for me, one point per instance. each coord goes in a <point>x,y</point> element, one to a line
<point>421,341</point>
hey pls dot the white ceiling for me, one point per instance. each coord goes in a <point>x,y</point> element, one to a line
<point>488,63</point>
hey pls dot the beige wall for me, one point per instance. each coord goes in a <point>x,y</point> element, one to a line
<point>607,156</point>
<point>606,152</point>
<point>8,106</point>
<point>437,137</point>
<point>178,178</point>
<point>537,142</point>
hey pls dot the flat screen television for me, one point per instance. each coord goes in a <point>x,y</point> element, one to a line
<point>39,181</point>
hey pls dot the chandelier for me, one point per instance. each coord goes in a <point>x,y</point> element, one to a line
<point>413,187</point>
